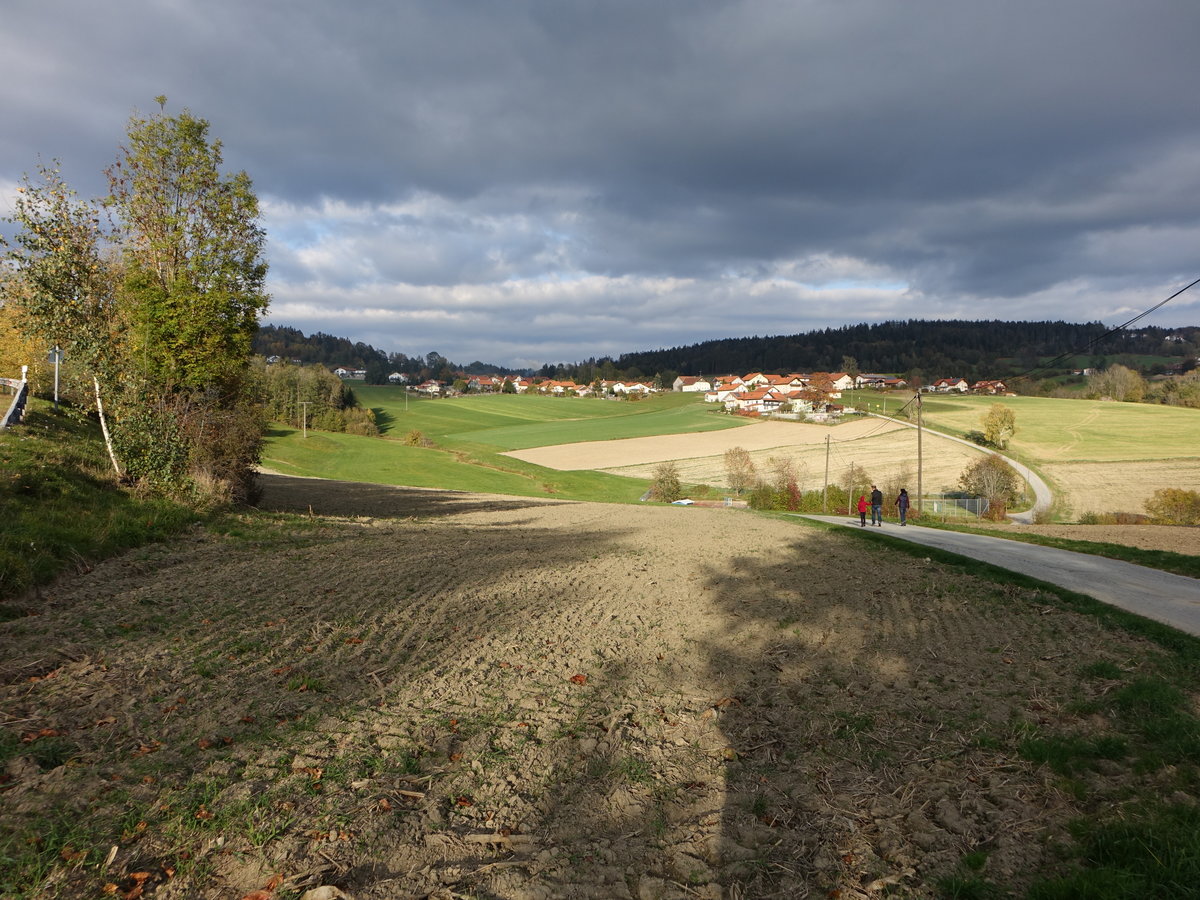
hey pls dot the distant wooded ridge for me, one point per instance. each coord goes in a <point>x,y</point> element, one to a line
<point>933,349</point>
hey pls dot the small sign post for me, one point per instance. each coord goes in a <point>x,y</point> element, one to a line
<point>55,357</point>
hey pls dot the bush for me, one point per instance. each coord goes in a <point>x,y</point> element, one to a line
<point>358,420</point>
<point>1174,506</point>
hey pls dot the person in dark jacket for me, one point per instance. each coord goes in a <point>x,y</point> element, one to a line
<point>876,506</point>
<point>902,506</point>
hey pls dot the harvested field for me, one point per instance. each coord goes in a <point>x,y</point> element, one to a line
<point>888,453</point>
<point>1111,487</point>
<point>417,694</point>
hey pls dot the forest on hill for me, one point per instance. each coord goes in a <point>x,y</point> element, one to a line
<point>928,349</point>
<point>968,349</point>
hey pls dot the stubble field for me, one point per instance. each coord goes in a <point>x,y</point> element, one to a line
<point>886,451</point>
<point>418,694</point>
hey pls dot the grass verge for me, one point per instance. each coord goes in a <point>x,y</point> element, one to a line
<point>62,506</point>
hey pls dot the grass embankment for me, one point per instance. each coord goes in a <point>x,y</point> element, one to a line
<point>61,505</point>
<point>468,435</point>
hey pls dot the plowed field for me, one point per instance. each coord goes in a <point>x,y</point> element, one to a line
<point>410,694</point>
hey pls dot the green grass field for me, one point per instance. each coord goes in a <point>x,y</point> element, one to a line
<point>469,434</point>
<point>518,422</point>
<point>1053,430</point>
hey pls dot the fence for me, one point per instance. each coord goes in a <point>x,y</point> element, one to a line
<point>16,409</point>
<point>951,505</point>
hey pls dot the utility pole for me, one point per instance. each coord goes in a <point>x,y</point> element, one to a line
<point>304,419</point>
<point>825,497</point>
<point>920,492</point>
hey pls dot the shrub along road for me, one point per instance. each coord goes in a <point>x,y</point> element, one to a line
<point>1162,596</point>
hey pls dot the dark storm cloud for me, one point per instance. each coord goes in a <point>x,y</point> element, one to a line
<point>555,179</point>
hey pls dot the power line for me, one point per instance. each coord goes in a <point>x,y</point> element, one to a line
<point>1106,334</point>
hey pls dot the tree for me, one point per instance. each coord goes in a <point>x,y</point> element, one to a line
<point>192,290</point>
<point>193,249</point>
<point>740,473</point>
<point>999,424</point>
<point>993,479</point>
<point>161,308</point>
<point>1117,382</point>
<point>62,286</point>
<point>1174,506</point>
<point>666,486</point>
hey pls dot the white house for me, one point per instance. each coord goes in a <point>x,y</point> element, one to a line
<point>691,384</point>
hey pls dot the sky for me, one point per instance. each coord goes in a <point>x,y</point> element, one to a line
<point>530,181</point>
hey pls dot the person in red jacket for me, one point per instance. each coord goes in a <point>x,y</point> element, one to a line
<point>862,510</point>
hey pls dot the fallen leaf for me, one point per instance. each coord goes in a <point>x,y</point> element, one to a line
<point>38,735</point>
<point>579,679</point>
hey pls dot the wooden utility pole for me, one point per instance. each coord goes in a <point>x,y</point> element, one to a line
<point>304,418</point>
<point>825,497</point>
<point>920,492</point>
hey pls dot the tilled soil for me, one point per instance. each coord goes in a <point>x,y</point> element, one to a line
<point>411,694</point>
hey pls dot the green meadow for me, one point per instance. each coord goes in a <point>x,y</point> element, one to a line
<point>1056,430</point>
<point>467,435</point>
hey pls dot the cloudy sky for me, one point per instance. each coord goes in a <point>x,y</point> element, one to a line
<point>531,181</point>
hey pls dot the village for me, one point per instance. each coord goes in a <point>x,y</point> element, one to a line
<point>756,393</point>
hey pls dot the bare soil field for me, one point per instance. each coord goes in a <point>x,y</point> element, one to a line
<point>416,694</point>
<point>886,451</point>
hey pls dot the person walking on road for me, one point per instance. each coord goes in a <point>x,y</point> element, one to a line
<point>862,510</point>
<point>876,506</point>
<point>902,506</point>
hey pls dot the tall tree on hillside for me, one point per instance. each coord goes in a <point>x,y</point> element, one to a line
<point>193,249</point>
<point>193,289</point>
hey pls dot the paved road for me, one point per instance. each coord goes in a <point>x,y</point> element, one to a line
<point>1042,498</point>
<point>1163,596</point>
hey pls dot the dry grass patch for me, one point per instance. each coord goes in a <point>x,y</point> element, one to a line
<point>1103,487</point>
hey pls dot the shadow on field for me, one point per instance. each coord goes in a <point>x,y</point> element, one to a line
<point>384,420</point>
<point>321,497</point>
